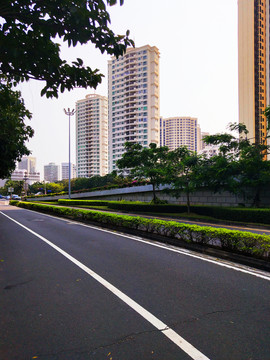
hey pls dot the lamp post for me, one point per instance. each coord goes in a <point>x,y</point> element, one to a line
<point>69,113</point>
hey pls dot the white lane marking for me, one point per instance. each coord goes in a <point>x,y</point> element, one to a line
<point>165,329</point>
<point>216,261</point>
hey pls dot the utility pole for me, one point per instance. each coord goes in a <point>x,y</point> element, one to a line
<point>69,113</point>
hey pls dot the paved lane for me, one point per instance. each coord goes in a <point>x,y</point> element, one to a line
<point>66,314</point>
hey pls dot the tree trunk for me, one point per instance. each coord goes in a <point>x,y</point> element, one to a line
<point>188,202</point>
<point>154,193</point>
<point>257,200</point>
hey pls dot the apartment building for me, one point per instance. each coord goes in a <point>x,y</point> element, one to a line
<point>51,172</point>
<point>65,171</point>
<point>253,55</point>
<point>92,136</point>
<point>133,100</point>
<point>179,131</point>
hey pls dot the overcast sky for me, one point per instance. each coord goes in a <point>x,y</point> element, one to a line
<point>197,40</point>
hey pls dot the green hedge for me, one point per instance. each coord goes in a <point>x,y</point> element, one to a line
<point>83,202</point>
<point>253,215</point>
<point>237,241</point>
<point>138,206</point>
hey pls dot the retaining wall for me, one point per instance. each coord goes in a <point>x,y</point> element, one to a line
<point>144,193</point>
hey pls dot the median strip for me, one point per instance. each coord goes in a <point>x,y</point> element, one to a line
<point>235,241</point>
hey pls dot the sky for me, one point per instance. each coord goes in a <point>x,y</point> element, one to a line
<point>197,41</point>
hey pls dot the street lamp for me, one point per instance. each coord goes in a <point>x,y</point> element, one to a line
<point>25,185</point>
<point>69,113</point>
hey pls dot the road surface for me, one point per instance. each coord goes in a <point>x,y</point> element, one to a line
<point>72,291</point>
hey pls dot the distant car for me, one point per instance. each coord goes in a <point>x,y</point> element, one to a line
<point>8,197</point>
<point>39,193</point>
<point>2,197</point>
<point>16,197</point>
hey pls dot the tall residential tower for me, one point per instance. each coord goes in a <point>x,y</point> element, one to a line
<point>133,85</point>
<point>92,136</point>
<point>179,131</point>
<point>253,55</point>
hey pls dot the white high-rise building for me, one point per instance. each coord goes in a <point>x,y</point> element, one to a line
<point>24,175</point>
<point>133,95</point>
<point>65,171</point>
<point>92,136</point>
<point>179,131</point>
<point>51,172</point>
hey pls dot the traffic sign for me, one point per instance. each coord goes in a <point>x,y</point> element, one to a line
<point>11,189</point>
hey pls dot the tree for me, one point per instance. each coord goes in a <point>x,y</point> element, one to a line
<point>28,33</point>
<point>145,163</point>
<point>181,172</point>
<point>241,165</point>
<point>16,185</point>
<point>14,133</point>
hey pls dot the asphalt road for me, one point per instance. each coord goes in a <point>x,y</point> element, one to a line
<point>71,291</point>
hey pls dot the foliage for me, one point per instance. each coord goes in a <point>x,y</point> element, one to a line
<point>240,165</point>
<point>246,215</point>
<point>78,185</point>
<point>50,187</point>
<point>145,163</point>
<point>16,185</point>
<point>181,172</point>
<point>28,33</point>
<point>237,241</point>
<point>14,133</point>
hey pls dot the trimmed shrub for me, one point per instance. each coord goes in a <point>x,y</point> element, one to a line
<point>137,206</point>
<point>237,241</point>
<point>252,215</point>
<point>83,202</point>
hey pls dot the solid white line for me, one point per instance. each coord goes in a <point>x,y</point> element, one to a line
<point>168,332</point>
<point>226,264</point>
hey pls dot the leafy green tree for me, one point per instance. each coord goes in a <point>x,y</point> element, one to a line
<point>36,187</point>
<point>29,30</point>
<point>145,163</point>
<point>219,173</point>
<point>14,133</point>
<point>241,165</point>
<point>182,171</point>
<point>54,187</point>
<point>16,185</point>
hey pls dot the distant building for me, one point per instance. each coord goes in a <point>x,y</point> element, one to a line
<point>133,95</point>
<point>254,66</point>
<point>179,131</point>
<point>209,150</point>
<point>65,171</point>
<point>25,171</point>
<point>51,172</point>
<point>27,163</point>
<point>29,178</point>
<point>92,136</point>
<point>203,145</point>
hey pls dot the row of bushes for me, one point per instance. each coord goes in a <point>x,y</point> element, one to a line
<point>246,215</point>
<point>237,241</point>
